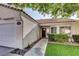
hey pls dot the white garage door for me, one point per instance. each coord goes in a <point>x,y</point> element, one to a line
<point>8,35</point>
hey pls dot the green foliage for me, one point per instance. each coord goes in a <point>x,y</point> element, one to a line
<point>61,37</point>
<point>61,50</point>
<point>55,9</point>
<point>76,38</point>
<point>58,37</point>
<point>51,37</point>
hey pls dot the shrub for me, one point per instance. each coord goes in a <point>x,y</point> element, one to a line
<point>61,37</point>
<point>58,37</point>
<point>51,37</point>
<point>76,38</point>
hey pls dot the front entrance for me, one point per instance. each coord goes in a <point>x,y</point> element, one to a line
<point>43,32</point>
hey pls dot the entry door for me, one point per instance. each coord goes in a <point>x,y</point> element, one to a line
<point>43,32</point>
<point>8,35</point>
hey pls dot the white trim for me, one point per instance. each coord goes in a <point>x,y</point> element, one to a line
<point>58,28</point>
<point>53,26</point>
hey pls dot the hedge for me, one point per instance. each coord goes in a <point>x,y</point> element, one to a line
<point>58,37</point>
<point>76,38</point>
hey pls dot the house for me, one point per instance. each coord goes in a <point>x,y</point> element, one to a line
<point>56,26</point>
<point>17,29</point>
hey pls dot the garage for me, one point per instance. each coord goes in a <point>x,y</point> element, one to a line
<point>7,34</point>
<point>17,28</point>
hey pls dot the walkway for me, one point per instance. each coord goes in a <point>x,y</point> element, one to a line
<point>38,49</point>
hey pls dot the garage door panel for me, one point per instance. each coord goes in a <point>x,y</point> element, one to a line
<point>9,44</point>
<point>8,35</point>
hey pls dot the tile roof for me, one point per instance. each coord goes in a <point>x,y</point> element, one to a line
<point>17,10</point>
<point>10,7</point>
<point>45,21</point>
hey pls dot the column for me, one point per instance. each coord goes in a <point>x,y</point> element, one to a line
<point>58,29</point>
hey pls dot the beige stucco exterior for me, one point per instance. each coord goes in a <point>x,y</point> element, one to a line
<point>30,31</point>
<point>74,27</point>
<point>10,13</point>
<point>6,13</point>
<point>24,34</point>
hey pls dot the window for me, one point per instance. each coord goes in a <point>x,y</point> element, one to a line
<point>65,29</point>
<point>53,30</point>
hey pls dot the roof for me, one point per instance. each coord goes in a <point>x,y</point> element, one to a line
<point>10,7</point>
<point>46,21</point>
<point>7,6</point>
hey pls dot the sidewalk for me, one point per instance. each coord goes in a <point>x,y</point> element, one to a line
<point>38,49</point>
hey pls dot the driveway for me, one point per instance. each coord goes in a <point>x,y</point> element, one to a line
<point>37,50</point>
<point>5,50</point>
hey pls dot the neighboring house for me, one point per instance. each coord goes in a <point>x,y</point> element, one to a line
<point>56,26</point>
<point>17,29</point>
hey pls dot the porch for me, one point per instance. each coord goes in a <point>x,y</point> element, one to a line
<point>55,30</point>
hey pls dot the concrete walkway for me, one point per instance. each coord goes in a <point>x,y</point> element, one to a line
<point>38,49</point>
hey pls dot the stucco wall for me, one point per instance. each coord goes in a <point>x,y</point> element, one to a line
<point>26,33</point>
<point>30,31</point>
<point>74,26</point>
<point>27,25</point>
<point>10,13</point>
<point>58,25</point>
<point>31,37</point>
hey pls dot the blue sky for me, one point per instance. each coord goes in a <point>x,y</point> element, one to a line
<point>36,15</point>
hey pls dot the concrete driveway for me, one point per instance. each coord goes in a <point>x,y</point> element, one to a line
<point>5,50</point>
<point>37,50</point>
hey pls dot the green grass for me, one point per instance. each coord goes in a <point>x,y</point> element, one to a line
<point>61,50</point>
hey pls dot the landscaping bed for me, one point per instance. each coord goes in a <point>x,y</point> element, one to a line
<point>63,38</point>
<point>58,37</point>
<point>54,49</point>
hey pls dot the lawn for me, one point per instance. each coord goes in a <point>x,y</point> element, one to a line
<point>61,50</point>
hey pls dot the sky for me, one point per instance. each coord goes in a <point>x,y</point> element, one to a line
<point>37,16</point>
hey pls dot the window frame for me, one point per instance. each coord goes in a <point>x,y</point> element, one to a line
<point>64,28</point>
<point>54,32</point>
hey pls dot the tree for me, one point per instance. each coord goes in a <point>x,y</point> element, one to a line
<point>64,10</point>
